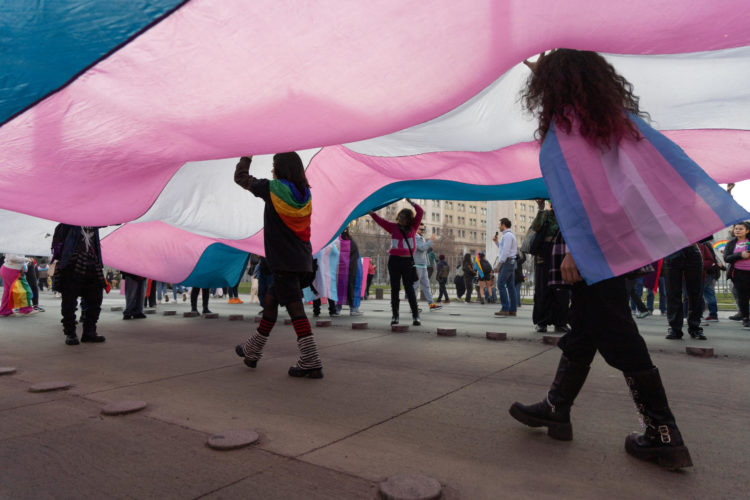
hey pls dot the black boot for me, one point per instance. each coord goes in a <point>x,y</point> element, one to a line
<point>661,441</point>
<point>69,330</point>
<point>89,333</point>
<point>394,319</point>
<point>554,411</point>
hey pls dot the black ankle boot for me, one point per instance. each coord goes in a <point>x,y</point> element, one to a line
<point>554,411</point>
<point>70,334</point>
<point>394,319</point>
<point>416,321</point>
<point>89,334</point>
<point>296,371</point>
<point>661,442</point>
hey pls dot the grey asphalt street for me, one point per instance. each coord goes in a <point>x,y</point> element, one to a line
<point>390,403</point>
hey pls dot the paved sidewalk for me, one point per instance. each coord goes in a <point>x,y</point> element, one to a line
<point>389,404</point>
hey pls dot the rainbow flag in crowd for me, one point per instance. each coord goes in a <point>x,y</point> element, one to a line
<point>719,245</point>
<point>631,205</point>
<point>293,207</point>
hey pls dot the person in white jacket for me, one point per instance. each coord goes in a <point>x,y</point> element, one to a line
<point>13,276</point>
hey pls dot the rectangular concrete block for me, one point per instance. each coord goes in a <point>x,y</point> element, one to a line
<point>236,317</point>
<point>379,293</point>
<point>497,336</point>
<point>211,316</point>
<point>116,308</point>
<point>323,322</point>
<point>551,339</point>
<point>400,328</point>
<point>703,352</point>
<point>190,314</point>
<point>359,326</point>
<point>150,310</point>
<point>169,313</point>
<point>446,332</point>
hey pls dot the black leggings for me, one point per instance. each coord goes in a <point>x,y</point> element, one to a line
<point>741,281</point>
<point>400,269</point>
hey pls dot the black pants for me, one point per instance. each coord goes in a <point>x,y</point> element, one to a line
<point>150,300</point>
<point>443,290</point>
<point>33,284</point>
<point>600,320</point>
<point>399,269</point>
<point>369,282</point>
<point>741,281</point>
<point>331,306</point>
<point>468,286</point>
<point>630,285</point>
<point>90,291</point>
<point>194,298</point>
<point>685,265</point>
<point>550,302</point>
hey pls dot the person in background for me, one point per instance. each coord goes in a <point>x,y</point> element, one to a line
<point>443,270</point>
<point>684,266</point>
<point>420,261</point>
<point>135,291</point>
<point>16,292</point>
<point>33,281</point>
<point>43,273</point>
<point>484,272</point>
<point>206,295</point>
<point>712,268</point>
<point>467,268</point>
<point>737,256</point>
<point>79,273</point>
<point>431,261</point>
<point>400,261</point>
<point>458,280</point>
<point>507,271</point>
<point>370,276</point>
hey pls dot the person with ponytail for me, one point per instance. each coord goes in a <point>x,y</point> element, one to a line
<point>286,224</point>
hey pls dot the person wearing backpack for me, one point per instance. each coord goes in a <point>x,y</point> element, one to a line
<point>443,269</point>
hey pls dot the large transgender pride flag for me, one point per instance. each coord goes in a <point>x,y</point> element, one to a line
<point>132,115</point>
<point>630,205</point>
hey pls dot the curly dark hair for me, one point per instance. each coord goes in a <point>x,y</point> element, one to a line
<point>585,83</point>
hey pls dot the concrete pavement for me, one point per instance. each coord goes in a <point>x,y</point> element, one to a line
<point>389,404</point>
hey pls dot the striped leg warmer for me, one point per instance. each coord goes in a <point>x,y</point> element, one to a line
<point>253,348</point>
<point>309,358</point>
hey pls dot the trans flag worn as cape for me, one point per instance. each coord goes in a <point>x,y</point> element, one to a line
<point>631,205</point>
<point>293,207</point>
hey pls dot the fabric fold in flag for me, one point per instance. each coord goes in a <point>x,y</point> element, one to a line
<point>625,207</point>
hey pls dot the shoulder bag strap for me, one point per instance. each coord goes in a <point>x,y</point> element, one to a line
<point>406,240</point>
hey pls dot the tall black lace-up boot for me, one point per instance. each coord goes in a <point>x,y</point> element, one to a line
<point>553,412</point>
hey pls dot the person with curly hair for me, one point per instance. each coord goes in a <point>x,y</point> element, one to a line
<point>579,91</point>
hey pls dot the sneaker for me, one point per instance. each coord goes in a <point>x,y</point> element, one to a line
<point>541,328</point>
<point>698,334</point>
<point>711,318</point>
<point>394,320</point>
<point>355,313</point>
<point>736,317</point>
<point>435,306</point>
<point>642,314</point>
<point>746,323</point>
<point>40,309</point>
<point>416,321</point>
<point>562,329</point>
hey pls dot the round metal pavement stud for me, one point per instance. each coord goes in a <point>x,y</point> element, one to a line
<point>378,310</point>
<point>123,407</point>
<point>7,370</point>
<point>116,308</point>
<point>702,352</point>
<point>50,386</point>
<point>399,328</point>
<point>410,487</point>
<point>323,322</point>
<point>236,317</point>
<point>170,313</point>
<point>455,314</point>
<point>359,326</point>
<point>551,339</point>
<point>497,336</point>
<point>231,440</point>
<point>211,316</point>
<point>446,332</point>
<point>288,321</point>
<point>150,310</point>
<point>190,314</point>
